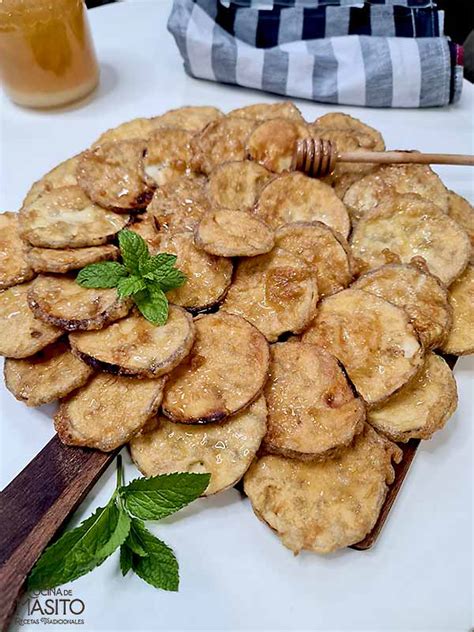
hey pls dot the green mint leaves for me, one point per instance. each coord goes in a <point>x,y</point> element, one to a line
<point>120,524</point>
<point>144,277</point>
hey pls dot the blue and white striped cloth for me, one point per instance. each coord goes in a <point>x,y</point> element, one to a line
<point>382,53</point>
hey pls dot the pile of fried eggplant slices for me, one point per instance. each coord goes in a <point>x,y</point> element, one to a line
<point>306,341</point>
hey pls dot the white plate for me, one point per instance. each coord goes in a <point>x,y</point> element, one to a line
<point>235,575</point>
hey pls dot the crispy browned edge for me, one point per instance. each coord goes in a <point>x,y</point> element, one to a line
<point>155,370</point>
<point>118,309</point>
<point>221,414</point>
<point>62,421</point>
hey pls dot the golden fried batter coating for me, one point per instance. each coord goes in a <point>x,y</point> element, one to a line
<point>133,346</point>
<point>138,128</point>
<point>294,197</point>
<point>323,249</point>
<point>21,334</point>
<point>193,118</point>
<point>223,140</point>
<point>207,277</point>
<point>325,505</point>
<point>277,292</point>
<point>225,371</point>
<point>108,411</point>
<point>462,212</point>
<point>347,123</point>
<point>460,340</point>
<point>63,175</point>
<point>45,377</point>
<point>409,226</point>
<point>421,407</point>
<point>237,185</point>
<point>144,224</point>
<point>272,143</point>
<point>178,206</point>
<point>14,265</point>
<point>230,233</point>
<point>60,301</point>
<point>62,261</point>
<point>265,111</point>
<point>367,193</point>
<point>372,338</point>
<point>112,175</point>
<point>224,450</point>
<point>419,293</point>
<point>66,218</point>
<point>167,156</point>
<point>312,410</point>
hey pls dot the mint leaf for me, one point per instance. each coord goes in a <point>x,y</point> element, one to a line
<point>160,567</point>
<point>159,496</point>
<point>134,251</point>
<point>133,540</point>
<point>125,559</point>
<point>106,274</point>
<point>160,269</point>
<point>130,285</point>
<point>80,550</point>
<point>153,304</point>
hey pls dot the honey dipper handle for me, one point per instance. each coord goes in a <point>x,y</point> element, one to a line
<point>403,157</point>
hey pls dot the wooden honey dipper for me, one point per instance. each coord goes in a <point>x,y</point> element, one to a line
<point>317,157</point>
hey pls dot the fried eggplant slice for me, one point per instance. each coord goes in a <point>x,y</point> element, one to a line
<point>193,118</point>
<point>63,175</point>
<point>178,206</point>
<point>133,346</point>
<point>265,111</point>
<point>225,371</point>
<point>462,212</point>
<point>62,261</point>
<point>272,143</point>
<point>14,265</point>
<point>460,340</point>
<point>345,122</point>
<point>373,339</point>
<point>223,140</point>
<point>277,292</point>
<point>294,197</point>
<point>45,377</point>
<point>237,185</point>
<point>224,450</point>
<point>207,277</point>
<point>60,301</point>
<point>112,175</point>
<point>323,249</point>
<point>108,411</point>
<point>312,411</point>
<point>421,407</point>
<point>229,233</point>
<point>138,128</point>
<point>325,505</point>
<point>66,218</point>
<point>167,156</point>
<point>21,334</point>
<point>144,225</point>
<point>409,226</point>
<point>419,293</point>
<point>367,193</point>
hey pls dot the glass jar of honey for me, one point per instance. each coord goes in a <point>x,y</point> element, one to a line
<point>47,57</point>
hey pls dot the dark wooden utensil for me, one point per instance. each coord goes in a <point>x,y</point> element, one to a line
<point>39,500</point>
<point>35,505</point>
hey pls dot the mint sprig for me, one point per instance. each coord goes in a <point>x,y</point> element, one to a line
<point>145,278</point>
<point>120,524</point>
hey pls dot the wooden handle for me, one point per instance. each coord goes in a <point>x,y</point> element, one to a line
<point>404,157</point>
<point>34,506</point>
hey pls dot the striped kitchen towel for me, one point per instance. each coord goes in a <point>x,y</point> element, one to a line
<point>333,51</point>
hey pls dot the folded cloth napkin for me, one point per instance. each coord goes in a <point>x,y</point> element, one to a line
<point>384,53</point>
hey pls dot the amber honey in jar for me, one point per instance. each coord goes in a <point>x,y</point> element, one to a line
<point>47,57</point>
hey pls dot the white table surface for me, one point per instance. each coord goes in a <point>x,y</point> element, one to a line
<point>235,575</point>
